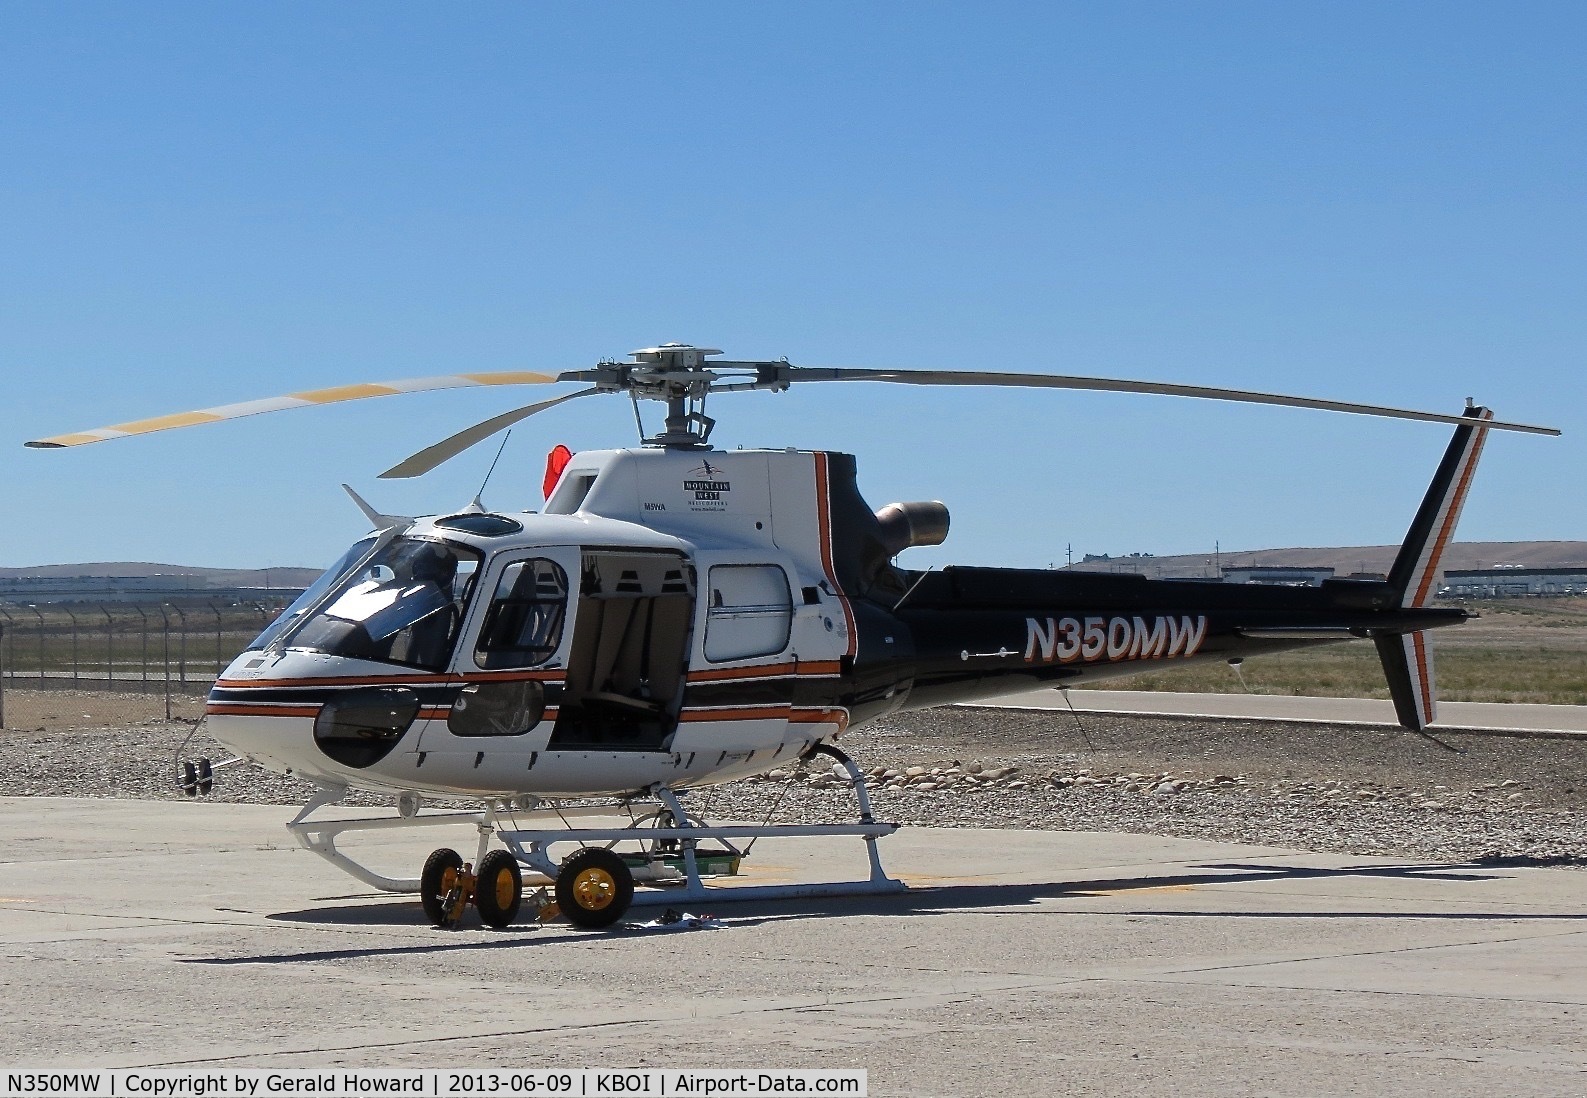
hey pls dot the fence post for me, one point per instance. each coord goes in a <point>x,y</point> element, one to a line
<point>144,657</point>
<point>5,643</point>
<point>182,651</point>
<point>3,670</point>
<point>165,644</point>
<point>73,616</point>
<point>219,667</point>
<point>40,616</point>
<point>110,650</point>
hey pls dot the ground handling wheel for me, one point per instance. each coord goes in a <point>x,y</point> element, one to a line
<point>594,888</point>
<point>498,889</point>
<point>442,886</point>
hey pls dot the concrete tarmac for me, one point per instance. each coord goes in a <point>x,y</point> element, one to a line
<point>1452,716</point>
<point>138,933</point>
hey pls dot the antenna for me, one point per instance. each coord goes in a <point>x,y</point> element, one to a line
<point>478,504</point>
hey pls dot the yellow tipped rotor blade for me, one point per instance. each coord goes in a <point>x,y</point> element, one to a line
<point>294,400</point>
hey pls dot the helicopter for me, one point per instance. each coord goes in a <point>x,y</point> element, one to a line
<point>679,616</point>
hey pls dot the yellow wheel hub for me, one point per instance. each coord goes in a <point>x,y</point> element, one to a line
<point>594,889</point>
<point>503,890</point>
<point>448,881</point>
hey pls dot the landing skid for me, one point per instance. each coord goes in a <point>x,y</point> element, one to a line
<point>661,845</point>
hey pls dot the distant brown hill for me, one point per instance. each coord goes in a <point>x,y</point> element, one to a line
<point>1344,561</point>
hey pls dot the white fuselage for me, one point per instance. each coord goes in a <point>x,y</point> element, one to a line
<point>662,622</point>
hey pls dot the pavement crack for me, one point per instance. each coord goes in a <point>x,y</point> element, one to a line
<point>1398,950</point>
<point>826,1005</point>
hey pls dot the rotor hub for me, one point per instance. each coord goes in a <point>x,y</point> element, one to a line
<point>674,356</point>
<point>678,374</point>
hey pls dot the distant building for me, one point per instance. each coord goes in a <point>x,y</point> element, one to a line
<point>1513,583</point>
<point>1277,575</point>
<point>170,587</point>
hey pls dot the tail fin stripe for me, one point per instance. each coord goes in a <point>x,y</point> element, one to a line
<point>1426,571</point>
<point>1423,677</point>
<point>1408,667</point>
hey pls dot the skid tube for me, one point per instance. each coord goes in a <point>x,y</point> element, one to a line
<point>662,827</point>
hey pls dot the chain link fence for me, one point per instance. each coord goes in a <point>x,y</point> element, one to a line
<point>117,663</point>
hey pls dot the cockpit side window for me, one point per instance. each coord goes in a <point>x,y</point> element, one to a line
<point>523,626</point>
<point>403,604</point>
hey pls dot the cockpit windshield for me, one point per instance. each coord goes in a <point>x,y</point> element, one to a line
<point>292,616</point>
<point>400,602</point>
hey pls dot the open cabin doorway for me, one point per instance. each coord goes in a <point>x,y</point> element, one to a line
<point>630,655</point>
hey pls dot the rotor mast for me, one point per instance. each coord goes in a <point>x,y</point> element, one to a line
<point>676,373</point>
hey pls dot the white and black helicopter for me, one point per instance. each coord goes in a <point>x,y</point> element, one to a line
<point>679,616</point>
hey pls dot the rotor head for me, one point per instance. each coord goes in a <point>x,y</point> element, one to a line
<point>679,375</point>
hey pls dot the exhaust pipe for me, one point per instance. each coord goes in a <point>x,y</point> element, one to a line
<point>905,525</point>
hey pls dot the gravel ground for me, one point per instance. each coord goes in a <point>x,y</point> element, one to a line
<point>1335,788</point>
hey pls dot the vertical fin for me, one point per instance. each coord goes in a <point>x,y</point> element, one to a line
<point>1416,568</point>
<point>1408,657</point>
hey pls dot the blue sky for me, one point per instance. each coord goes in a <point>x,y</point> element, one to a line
<point>202,204</point>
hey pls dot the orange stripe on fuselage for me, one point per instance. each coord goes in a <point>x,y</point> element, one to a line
<point>839,717</point>
<point>824,531</point>
<point>768,713</point>
<point>727,674</point>
<point>308,709</point>
<point>765,712</point>
<point>800,670</point>
<point>394,680</point>
<point>311,709</point>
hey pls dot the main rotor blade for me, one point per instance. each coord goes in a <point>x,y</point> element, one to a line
<point>1110,385</point>
<point>448,448</point>
<point>295,400</point>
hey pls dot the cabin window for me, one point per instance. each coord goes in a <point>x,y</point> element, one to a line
<point>484,524</point>
<point>750,612</point>
<point>497,709</point>
<point>523,626</point>
<point>569,496</point>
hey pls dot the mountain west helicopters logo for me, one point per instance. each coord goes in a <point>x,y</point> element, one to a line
<point>708,487</point>
<point>1065,640</point>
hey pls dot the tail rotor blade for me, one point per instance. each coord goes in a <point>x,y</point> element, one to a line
<point>448,448</point>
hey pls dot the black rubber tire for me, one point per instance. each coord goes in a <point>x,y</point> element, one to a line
<point>498,874</point>
<point>594,888</point>
<point>433,885</point>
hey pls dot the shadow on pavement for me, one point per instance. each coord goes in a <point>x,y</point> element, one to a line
<point>918,901</point>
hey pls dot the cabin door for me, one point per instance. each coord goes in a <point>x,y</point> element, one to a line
<point>630,653</point>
